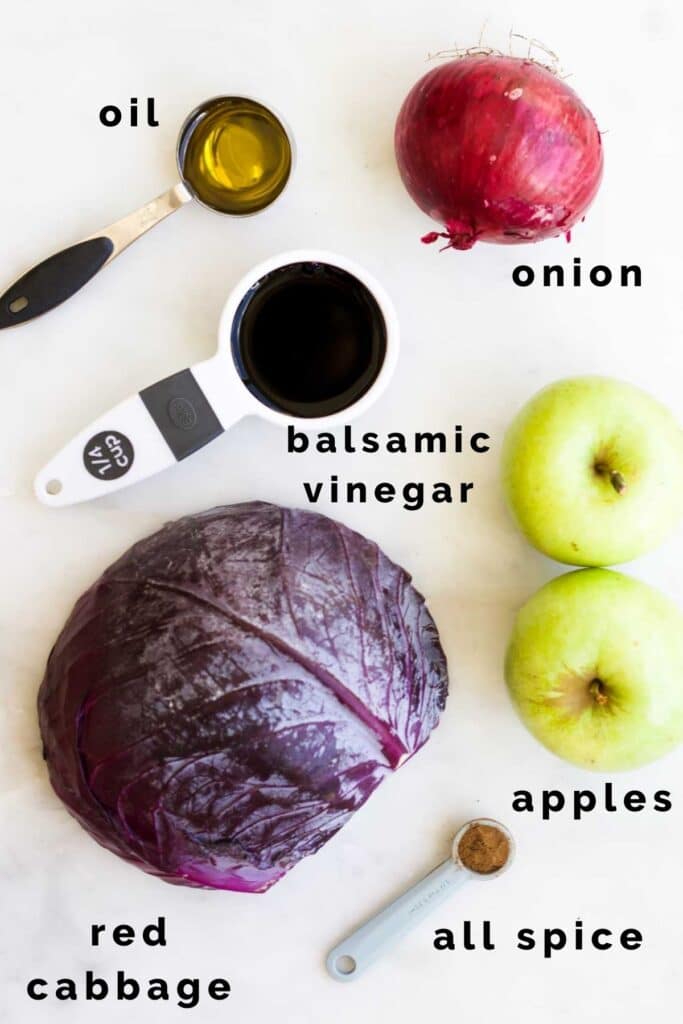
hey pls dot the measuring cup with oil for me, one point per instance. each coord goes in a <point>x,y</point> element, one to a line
<point>234,156</point>
<point>482,849</point>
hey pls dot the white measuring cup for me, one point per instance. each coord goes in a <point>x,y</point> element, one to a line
<point>175,417</point>
<point>358,950</point>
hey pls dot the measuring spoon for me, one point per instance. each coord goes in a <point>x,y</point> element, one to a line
<point>356,952</point>
<point>234,156</point>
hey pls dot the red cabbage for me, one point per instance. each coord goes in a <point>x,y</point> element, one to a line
<point>232,689</point>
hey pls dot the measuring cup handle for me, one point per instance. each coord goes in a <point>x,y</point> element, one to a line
<point>144,434</point>
<point>351,956</point>
<point>61,275</point>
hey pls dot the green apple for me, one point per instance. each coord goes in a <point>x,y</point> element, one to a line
<point>593,471</point>
<point>595,669</point>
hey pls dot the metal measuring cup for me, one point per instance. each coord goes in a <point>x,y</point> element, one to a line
<point>358,950</point>
<point>61,275</point>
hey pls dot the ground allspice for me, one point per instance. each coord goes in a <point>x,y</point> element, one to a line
<point>484,849</point>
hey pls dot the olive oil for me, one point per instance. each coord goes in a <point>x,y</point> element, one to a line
<point>235,155</point>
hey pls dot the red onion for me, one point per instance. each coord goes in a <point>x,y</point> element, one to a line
<point>497,149</point>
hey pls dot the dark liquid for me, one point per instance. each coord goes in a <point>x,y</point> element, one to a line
<point>309,339</point>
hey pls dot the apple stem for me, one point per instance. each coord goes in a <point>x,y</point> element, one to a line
<point>597,692</point>
<point>617,481</point>
<point>615,477</point>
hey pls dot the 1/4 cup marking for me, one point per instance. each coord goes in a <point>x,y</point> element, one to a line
<point>108,455</point>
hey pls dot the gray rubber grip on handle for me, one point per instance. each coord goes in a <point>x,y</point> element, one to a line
<point>356,952</point>
<point>61,275</point>
<point>53,281</point>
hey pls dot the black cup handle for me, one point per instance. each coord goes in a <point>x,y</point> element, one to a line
<point>54,280</point>
<point>60,276</point>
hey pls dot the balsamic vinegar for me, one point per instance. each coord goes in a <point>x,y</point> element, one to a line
<point>309,339</point>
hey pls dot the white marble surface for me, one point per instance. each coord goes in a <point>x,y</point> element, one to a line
<point>474,348</point>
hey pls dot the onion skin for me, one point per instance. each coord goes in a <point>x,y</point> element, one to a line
<point>497,149</point>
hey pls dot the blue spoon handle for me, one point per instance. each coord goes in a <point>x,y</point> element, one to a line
<point>356,952</point>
